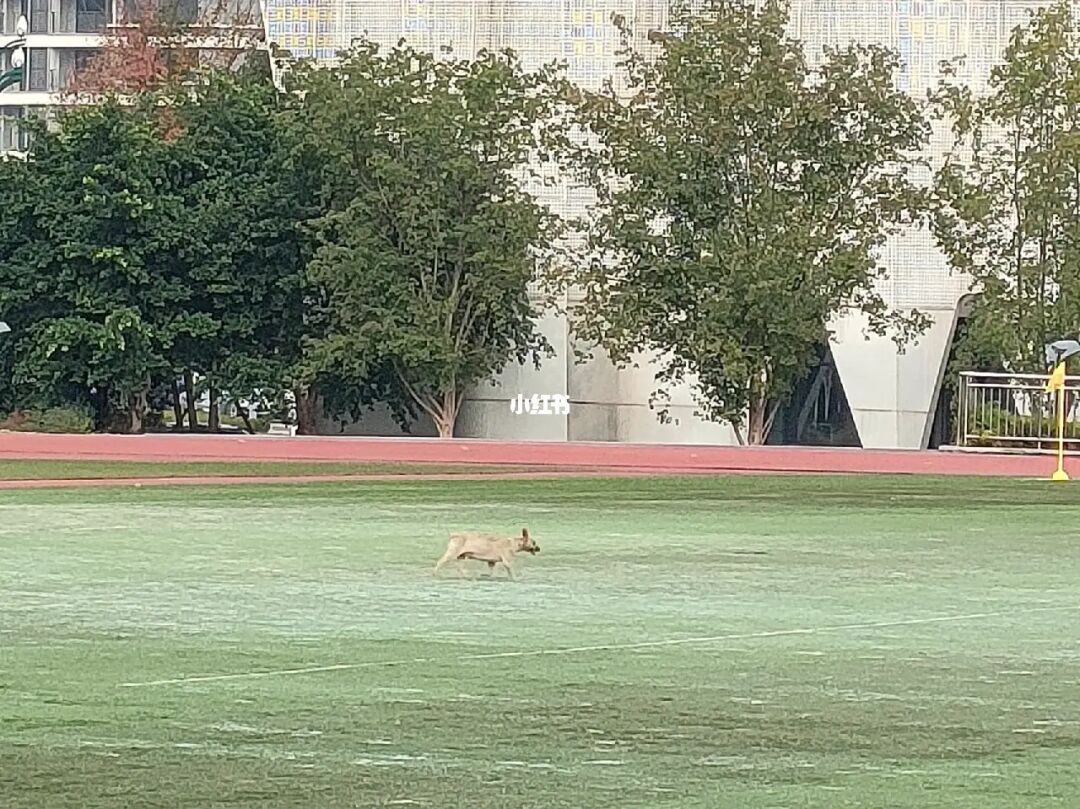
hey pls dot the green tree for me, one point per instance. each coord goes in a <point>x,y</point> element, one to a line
<point>1008,196</point>
<point>91,277</point>
<point>154,236</point>
<point>242,213</point>
<point>743,195</point>
<point>430,240</point>
<point>114,360</point>
<point>20,305</point>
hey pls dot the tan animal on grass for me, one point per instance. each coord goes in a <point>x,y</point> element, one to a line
<point>487,548</point>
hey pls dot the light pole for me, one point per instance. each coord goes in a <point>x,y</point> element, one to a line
<point>18,56</point>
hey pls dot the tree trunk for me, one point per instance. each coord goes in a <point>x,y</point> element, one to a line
<point>755,429</point>
<point>214,420</point>
<point>306,407</point>
<point>189,388</point>
<point>444,426</point>
<point>760,418</point>
<point>446,413</point>
<point>177,407</point>
<point>136,412</point>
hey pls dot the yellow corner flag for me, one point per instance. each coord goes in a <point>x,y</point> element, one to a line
<point>1057,378</point>
<point>1056,383</point>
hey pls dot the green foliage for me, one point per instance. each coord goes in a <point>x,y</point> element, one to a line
<point>742,198</point>
<point>142,240</point>
<point>430,241</point>
<point>116,358</point>
<point>1007,197</point>
<point>241,327</point>
<point>51,420</point>
<point>18,284</point>
<point>88,281</point>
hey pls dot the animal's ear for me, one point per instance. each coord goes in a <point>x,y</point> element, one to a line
<point>524,533</point>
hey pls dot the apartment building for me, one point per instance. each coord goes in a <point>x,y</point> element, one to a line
<point>63,35</point>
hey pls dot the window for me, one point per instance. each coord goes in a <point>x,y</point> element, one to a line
<point>39,16</point>
<point>10,127</point>
<point>82,59</point>
<point>39,69</point>
<point>91,16</point>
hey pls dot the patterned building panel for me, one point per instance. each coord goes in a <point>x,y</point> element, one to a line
<point>381,21</point>
<point>305,28</point>
<point>925,33</point>
<point>577,31</point>
<point>580,32</point>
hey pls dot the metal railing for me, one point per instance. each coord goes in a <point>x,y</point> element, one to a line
<point>1014,411</point>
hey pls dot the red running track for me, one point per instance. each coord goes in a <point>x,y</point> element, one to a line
<point>611,457</point>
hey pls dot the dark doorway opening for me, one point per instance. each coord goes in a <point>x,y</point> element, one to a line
<point>943,427</point>
<point>817,414</point>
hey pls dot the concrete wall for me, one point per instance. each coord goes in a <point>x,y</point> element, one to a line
<point>606,404</point>
<point>487,414</point>
<point>611,404</point>
<point>892,395</point>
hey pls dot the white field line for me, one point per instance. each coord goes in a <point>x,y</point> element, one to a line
<point>607,647</point>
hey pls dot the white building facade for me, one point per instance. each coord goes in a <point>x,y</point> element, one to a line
<point>63,35</point>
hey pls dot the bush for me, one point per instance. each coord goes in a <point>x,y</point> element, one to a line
<point>260,424</point>
<point>52,420</point>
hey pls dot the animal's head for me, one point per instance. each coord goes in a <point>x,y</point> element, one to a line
<point>526,544</point>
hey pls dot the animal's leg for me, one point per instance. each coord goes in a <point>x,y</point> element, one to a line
<point>453,549</point>
<point>507,563</point>
<point>446,557</point>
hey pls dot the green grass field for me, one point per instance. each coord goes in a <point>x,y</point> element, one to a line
<point>710,643</point>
